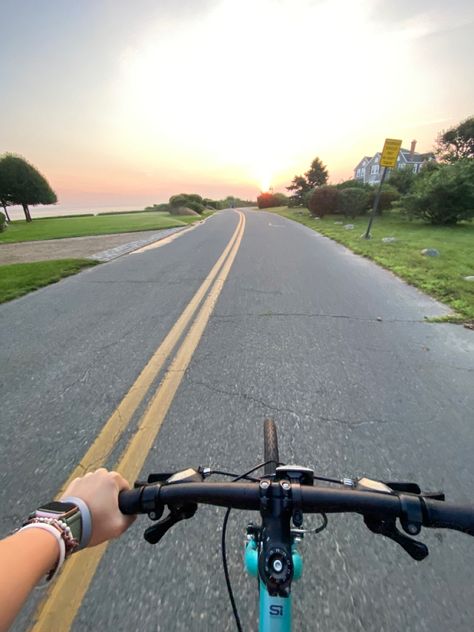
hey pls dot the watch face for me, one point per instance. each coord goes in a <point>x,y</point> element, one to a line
<point>56,507</point>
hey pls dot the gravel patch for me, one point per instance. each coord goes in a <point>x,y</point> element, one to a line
<point>99,247</point>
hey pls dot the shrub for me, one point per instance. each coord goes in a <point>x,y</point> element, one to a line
<point>208,203</point>
<point>402,180</point>
<point>323,200</point>
<point>350,184</point>
<point>188,200</point>
<point>158,208</point>
<point>270,200</point>
<point>388,194</point>
<point>353,201</point>
<point>3,222</point>
<point>443,196</point>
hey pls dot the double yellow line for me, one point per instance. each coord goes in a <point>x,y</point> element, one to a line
<point>59,608</point>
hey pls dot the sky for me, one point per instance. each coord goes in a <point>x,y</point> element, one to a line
<point>120,102</point>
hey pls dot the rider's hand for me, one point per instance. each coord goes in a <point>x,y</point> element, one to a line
<point>100,490</point>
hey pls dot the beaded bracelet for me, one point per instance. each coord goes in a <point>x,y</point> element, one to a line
<point>70,542</point>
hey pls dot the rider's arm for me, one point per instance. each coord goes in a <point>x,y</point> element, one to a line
<point>27,556</point>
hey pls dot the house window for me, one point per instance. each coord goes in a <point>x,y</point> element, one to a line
<point>374,170</point>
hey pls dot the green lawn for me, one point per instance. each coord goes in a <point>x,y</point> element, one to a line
<point>17,279</point>
<point>441,277</point>
<point>58,228</point>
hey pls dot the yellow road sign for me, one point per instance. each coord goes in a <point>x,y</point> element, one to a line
<point>390,152</point>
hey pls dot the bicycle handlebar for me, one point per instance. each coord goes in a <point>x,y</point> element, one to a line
<point>238,495</point>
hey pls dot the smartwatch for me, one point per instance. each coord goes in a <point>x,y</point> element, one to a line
<point>66,512</point>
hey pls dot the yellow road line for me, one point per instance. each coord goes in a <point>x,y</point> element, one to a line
<point>166,240</point>
<point>59,610</point>
<point>99,451</point>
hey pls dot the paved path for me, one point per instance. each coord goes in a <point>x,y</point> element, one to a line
<point>336,349</point>
<point>100,247</point>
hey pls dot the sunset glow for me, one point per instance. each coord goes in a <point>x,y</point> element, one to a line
<point>223,97</point>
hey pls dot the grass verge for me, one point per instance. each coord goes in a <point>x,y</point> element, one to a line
<point>441,277</point>
<point>18,279</point>
<point>85,225</point>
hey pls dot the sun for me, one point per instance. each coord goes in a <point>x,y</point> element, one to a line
<point>265,183</point>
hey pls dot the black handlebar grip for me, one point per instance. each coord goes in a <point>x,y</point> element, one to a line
<point>130,501</point>
<point>441,515</point>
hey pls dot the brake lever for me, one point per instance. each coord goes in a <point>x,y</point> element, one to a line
<point>417,550</point>
<point>177,513</point>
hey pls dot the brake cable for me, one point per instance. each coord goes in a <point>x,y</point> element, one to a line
<point>224,553</point>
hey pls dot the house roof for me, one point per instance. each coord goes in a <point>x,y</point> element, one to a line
<point>416,157</point>
<point>365,159</point>
<point>405,155</point>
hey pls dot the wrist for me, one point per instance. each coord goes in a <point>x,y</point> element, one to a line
<point>51,553</point>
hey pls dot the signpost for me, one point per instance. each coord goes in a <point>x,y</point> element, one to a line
<point>387,160</point>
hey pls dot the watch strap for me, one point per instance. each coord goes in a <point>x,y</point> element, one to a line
<point>86,519</point>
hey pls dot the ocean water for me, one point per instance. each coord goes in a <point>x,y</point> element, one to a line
<point>55,210</point>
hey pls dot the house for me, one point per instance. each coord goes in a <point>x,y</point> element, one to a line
<point>369,170</point>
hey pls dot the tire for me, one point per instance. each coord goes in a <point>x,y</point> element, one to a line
<point>270,447</point>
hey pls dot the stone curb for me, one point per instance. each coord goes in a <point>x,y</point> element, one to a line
<point>125,249</point>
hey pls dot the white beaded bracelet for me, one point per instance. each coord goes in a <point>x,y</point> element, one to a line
<point>59,538</point>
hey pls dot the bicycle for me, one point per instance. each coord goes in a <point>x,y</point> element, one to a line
<point>282,496</point>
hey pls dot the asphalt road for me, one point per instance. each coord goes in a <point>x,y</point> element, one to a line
<point>334,348</point>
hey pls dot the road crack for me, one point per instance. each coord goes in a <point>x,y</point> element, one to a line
<point>376,319</point>
<point>246,396</point>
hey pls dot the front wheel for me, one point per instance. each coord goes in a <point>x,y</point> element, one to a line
<point>270,447</point>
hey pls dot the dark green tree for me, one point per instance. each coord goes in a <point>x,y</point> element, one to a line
<point>300,187</point>
<point>21,183</point>
<point>457,142</point>
<point>317,174</point>
<point>4,203</point>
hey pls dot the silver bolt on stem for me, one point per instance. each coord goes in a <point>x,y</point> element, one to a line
<point>277,566</point>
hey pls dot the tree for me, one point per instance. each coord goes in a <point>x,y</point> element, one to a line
<point>21,183</point>
<point>317,174</point>
<point>444,196</point>
<point>457,142</point>
<point>301,187</point>
<point>4,203</point>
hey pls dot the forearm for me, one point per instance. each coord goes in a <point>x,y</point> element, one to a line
<point>27,556</point>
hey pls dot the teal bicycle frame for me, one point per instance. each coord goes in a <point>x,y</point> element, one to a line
<point>275,612</point>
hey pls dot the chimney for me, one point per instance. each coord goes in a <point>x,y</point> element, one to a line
<point>412,149</point>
